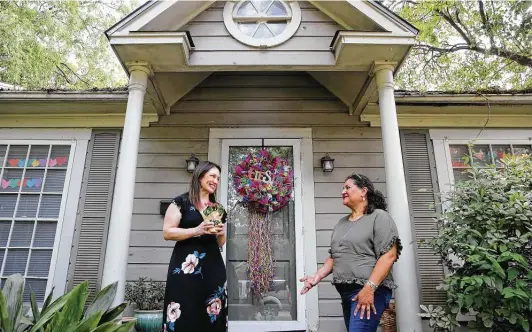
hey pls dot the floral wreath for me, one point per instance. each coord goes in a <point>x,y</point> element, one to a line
<point>264,181</point>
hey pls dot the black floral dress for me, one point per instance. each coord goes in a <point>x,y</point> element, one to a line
<point>195,298</point>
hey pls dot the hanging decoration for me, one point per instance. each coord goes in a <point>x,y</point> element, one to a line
<point>51,162</point>
<point>265,183</point>
<point>15,183</point>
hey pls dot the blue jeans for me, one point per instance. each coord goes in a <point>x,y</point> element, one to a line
<point>353,323</point>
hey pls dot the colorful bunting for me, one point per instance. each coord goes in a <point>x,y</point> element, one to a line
<point>52,162</point>
<point>14,183</point>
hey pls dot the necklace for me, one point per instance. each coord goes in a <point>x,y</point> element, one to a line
<point>353,222</point>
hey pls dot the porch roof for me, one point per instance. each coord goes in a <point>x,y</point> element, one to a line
<point>367,32</point>
<point>99,108</point>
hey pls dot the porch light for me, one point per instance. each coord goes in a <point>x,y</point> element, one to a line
<point>192,162</point>
<point>327,163</point>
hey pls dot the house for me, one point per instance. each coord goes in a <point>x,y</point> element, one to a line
<point>83,173</point>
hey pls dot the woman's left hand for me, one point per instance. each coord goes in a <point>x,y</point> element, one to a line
<point>220,229</point>
<point>365,303</point>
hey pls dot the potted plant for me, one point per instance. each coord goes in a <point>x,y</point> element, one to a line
<point>147,296</point>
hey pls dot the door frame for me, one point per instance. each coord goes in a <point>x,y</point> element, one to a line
<point>308,314</point>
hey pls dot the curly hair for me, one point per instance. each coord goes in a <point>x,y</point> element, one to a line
<point>375,198</point>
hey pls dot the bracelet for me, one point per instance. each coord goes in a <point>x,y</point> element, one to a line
<point>372,284</point>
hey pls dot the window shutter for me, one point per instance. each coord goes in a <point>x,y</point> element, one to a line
<point>422,186</point>
<point>94,211</point>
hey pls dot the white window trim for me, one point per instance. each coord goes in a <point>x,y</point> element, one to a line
<point>442,138</point>
<point>308,313</point>
<point>290,30</point>
<point>78,139</point>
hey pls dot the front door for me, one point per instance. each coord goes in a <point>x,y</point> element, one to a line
<point>280,309</point>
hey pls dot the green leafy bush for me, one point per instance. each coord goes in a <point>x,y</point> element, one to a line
<point>146,294</point>
<point>66,314</point>
<point>485,240</point>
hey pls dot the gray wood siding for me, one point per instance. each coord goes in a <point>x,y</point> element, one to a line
<point>247,100</point>
<point>210,36</point>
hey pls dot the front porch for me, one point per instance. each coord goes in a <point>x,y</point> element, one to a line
<point>283,82</point>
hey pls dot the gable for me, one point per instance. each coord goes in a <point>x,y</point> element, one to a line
<point>336,42</point>
<point>352,15</point>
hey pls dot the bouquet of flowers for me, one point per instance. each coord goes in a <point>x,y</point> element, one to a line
<point>214,213</point>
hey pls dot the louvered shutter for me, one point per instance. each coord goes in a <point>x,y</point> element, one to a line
<point>420,173</point>
<point>94,211</point>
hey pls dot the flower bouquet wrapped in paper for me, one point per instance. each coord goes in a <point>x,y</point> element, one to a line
<point>214,212</point>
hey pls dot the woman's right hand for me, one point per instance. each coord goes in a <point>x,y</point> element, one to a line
<point>205,227</point>
<point>310,281</point>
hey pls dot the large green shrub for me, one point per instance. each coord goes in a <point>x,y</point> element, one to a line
<point>485,240</point>
<point>66,314</point>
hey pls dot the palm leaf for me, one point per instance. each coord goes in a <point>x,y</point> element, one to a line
<point>113,313</point>
<point>103,300</point>
<point>89,323</point>
<point>73,309</point>
<point>51,310</point>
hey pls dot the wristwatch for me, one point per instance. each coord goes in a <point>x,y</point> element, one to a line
<point>372,284</point>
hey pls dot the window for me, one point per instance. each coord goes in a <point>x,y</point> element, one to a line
<point>481,155</point>
<point>454,156</point>
<point>262,23</point>
<point>32,198</point>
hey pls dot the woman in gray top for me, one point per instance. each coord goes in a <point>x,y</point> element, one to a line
<point>364,247</point>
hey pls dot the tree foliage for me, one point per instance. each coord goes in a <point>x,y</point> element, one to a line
<point>485,239</point>
<point>468,45</point>
<point>59,44</point>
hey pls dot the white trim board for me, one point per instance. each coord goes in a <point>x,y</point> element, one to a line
<point>487,134</point>
<point>301,137</point>
<point>45,134</point>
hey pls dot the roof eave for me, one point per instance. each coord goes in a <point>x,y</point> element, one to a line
<point>393,16</point>
<point>89,96</point>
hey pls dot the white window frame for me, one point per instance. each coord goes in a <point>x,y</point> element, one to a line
<point>301,140</point>
<point>442,138</point>
<point>290,30</point>
<point>78,141</point>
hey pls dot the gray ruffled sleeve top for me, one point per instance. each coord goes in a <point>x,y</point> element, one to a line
<point>357,245</point>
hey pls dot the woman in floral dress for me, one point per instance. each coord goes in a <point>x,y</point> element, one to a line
<point>195,298</point>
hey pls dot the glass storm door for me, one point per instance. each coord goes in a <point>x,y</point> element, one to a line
<point>280,309</point>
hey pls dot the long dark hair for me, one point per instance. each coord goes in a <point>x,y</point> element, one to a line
<point>195,184</point>
<point>375,198</point>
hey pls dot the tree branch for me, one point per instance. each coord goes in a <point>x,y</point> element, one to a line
<point>60,71</point>
<point>520,59</point>
<point>464,27</point>
<point>450,20</point>
<point>75,74</point>
<point>485,22</point>
<point>454,48</point>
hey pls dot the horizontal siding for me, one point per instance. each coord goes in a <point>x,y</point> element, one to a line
<point>247,100</point>
<point>161,174</point>
<point>211,38</point>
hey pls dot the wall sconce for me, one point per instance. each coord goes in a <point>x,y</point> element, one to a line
<point>192,162</point>
<point>163,206</point>
<point>327,163</point>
